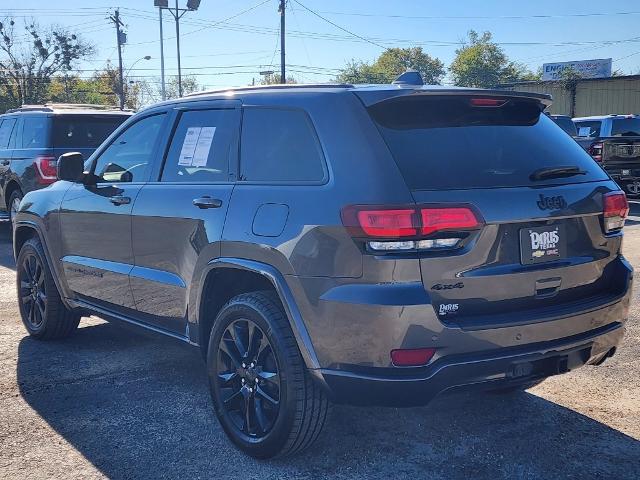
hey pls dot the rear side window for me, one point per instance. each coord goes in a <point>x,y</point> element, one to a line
<point>446,143</point>
<point>35,132</point>
<point>199,151</point>
<point>83,131</point>
<point>6,127</point>
<point>625,127</point>
<point>566,124</point>
<point>279,145</point>
<point>589,128</point>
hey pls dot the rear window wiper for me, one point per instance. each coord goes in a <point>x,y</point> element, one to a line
<point>556,172</point>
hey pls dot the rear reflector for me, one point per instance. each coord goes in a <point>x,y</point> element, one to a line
<point>46,172</point>
<point>404,223</point>
<point>412,357</point>
<point>616,209</point>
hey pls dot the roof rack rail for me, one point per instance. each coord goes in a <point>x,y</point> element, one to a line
<point>278,86</point>
<point>50,107</point>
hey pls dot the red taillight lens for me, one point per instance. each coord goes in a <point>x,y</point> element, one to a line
<point>437,219</point>
<point>487,102</point>
<point>595,150</point>
<point>616,209</point>
<point>388,223</point>
<point>407,222</point>
<point>412,357</point>
<point>45,170</point>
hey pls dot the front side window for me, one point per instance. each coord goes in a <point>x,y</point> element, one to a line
<point>130,156</point>
<point>35,132</point>
<point>199,151</point>
<point>279,145</point>
<point>6,127</point>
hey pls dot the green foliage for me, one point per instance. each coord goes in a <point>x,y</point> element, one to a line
<point>480,62</point>
<point>390,64</point>
<point>275,79</point>
<point>189,85</point>
<point>26,73</point>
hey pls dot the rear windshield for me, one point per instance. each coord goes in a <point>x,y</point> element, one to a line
<point>625,127</point>
<point>445,143</point>
<point>83,131</point>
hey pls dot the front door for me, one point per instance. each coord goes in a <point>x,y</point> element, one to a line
<point>96,216</point>
<point>178,220</point>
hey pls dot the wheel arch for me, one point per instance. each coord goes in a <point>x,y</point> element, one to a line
<point>233,276</point>
<point>11,187</point>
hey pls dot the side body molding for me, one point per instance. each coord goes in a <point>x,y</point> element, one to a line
<point>286,297</point>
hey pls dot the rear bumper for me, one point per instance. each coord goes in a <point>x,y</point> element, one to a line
<point>494,369</point>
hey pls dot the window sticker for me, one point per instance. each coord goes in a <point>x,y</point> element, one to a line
<point>189,146</point>
<point>201,153</point>
<point>584,131</point>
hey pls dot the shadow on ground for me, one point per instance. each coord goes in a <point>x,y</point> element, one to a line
<point>6,255</point>
<point>137,406</point>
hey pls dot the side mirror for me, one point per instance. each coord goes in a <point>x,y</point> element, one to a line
<point>71,167</point>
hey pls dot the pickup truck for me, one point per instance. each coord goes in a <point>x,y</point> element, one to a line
<point>614,142</point>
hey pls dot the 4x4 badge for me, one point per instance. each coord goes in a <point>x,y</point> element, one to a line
<point>551,203</point>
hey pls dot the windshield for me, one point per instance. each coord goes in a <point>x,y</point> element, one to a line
<point>445,143</point>
<point>625,127</point>
<point>84,131</point>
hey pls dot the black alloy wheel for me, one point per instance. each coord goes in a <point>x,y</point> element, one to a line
<point>248,378</point>
<point>32,290</point>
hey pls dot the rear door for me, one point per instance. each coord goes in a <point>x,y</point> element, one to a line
<point>538,196</point>
<point>97,253</point>
<point>178,219</point>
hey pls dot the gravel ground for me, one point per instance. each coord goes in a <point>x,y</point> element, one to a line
<point>115,402</point>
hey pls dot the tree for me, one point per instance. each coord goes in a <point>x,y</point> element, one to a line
<point>480,62</point>
<point>275,79</point>
<point>25,74</point>
<point>189,85</point>
<point>390,64</point>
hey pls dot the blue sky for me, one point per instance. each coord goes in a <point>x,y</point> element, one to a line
<point>233,52</point>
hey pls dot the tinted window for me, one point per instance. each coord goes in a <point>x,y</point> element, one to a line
<point>35,132</point>
<point>589,128</point>
<point>279,146</point>
<point>129,157</point>
<point>83,131</point>
<point>6,127</point>
<point>199,150</point>
<point>625,127</point>
<point>444,143</point>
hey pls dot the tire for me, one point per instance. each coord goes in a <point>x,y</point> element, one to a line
<point>43,314</point>
<point>16,196</point>
<point>302,406</point>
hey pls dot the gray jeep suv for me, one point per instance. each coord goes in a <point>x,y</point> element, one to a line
<point>365,245</point>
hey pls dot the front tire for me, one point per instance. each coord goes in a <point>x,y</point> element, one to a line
<point>263,396</point>
<point>44,315</point>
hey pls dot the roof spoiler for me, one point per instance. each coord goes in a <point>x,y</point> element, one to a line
<point>370,98</point>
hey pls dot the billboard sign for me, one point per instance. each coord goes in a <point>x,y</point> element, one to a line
<point>598,68</point>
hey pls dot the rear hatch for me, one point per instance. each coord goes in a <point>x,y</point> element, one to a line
<point>82,132</point>
<point>539,249</point>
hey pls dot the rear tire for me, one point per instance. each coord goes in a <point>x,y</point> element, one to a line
<point>287,409</point>
<point>44,315</point>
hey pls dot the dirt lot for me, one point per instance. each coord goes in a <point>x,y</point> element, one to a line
<point>116,402</point>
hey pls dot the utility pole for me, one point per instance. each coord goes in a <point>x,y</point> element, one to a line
<point>283,73</point>
<point>177,17</point>
<point>164,90</point>
<point>120,36</point>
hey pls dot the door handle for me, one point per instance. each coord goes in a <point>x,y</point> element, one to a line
<point>120,200</point>
<point>207,202</point>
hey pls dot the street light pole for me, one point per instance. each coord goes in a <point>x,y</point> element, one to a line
<point>164,92</point>
<point>283,73</point>
<point>177,17</point>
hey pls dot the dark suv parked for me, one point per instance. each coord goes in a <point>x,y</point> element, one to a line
<point>369,245</point>
<point>32,137</point>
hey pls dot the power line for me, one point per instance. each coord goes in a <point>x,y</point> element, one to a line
<point>339,27</point>
<point>480,17</point>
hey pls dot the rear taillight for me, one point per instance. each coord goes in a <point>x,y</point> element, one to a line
<point>487,102</point>
<point>45,170</point>
<point>616,209</point>
<point>410,228</point>
<point>595,150</point>
<point>415,357</point>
